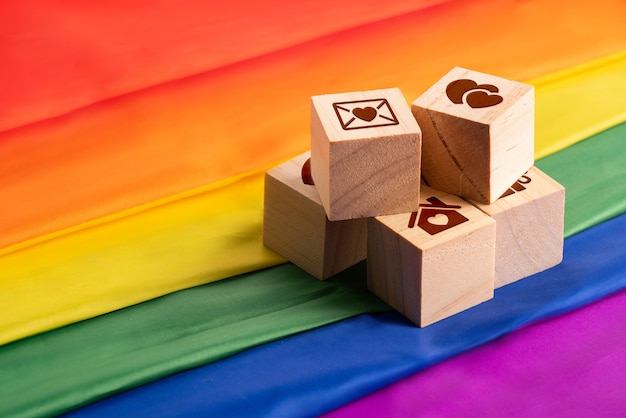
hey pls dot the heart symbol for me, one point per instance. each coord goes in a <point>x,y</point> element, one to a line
<point>439,219</point>
<point>458,88</point>
<point>305,173</point>
<point>477,99</point>
<point>365,113</point>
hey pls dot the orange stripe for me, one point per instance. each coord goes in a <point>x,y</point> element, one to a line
<point>177,136</point>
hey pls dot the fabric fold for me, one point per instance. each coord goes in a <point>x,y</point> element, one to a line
<point>217,234</point>
<point>92,359</point>
<point>593,174</point>
<point>177,136</point>
<point>133,147</point>
<point>287,300</point>
<point>198,239</point>
<point>562,95</point>
<point>118,47</point>
<point>315,372</point>
<point>572,365</point>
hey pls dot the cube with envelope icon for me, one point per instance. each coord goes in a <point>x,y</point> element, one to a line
<point>365,153</point>
<point>427,194</point>
<point>360,114</point>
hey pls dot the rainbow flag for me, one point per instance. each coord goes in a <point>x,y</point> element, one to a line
<point>133,279</point>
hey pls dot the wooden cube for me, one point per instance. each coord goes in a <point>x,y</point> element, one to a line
<point>529,222</point>
<point>435,262</point>
<point>365,153</point>
<point>296,227</point>
<point>477,133</point>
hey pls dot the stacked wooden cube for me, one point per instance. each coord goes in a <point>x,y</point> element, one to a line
<point>442,197</point>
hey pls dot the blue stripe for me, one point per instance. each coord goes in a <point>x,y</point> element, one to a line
<point>314,372</point>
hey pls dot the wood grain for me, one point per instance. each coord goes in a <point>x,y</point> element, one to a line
<point>477,132</point>
<point>428,277</point>
<point>529,227</point>
<point>365,153</point>
<point>296,227</point>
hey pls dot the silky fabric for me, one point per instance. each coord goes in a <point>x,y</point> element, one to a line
<point>209,235</point>
<point>137,329</point>
<point>184,133</point>
<point>61,56</point>
<point>592,172</point>
<point>565,110</point>
<point>115,177</point>
<point>570,366</point>
<point>312,373</point>
<point>143,153</point>
<point>64,368</point>
<point>205,234</point>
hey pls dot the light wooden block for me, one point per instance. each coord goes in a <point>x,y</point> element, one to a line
<point>435,262</point>
<point>296,227</point>
<point>529,221</point>
<point>477,133</point>
<point>365,153</point>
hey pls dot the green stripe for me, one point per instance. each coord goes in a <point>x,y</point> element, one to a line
<point>593,173</point>
<point>72,366</point>
<point>56,371</point>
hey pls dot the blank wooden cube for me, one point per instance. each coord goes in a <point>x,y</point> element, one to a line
<point>296,227</point>
<point>435,262</point>
<point>477,133</point>
<point>529,221</point>
<point>365,153</point>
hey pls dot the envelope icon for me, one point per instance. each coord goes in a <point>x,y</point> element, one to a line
<point>361,114</point>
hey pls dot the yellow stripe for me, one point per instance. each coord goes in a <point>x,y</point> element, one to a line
<point>104,267</point>
<point>214,232</point>
<point>579,102</point>
<point>132,211</point>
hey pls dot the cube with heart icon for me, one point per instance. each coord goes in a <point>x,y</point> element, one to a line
<point>365,153</point>
<point>529,220</point>
<point>296,227</point>
<point>477,133</point>
<point>434,262</point>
